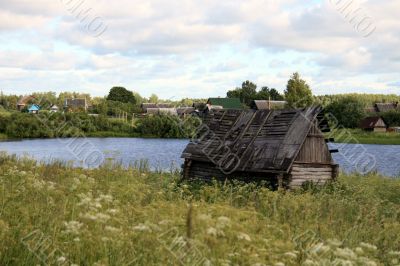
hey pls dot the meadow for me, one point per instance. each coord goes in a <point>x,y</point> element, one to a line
<point>364,137</point>
<point>54,214</point>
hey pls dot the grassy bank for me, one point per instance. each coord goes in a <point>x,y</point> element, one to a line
<point>3,136</point>
<point>113,216</point>
<point>363,137</point>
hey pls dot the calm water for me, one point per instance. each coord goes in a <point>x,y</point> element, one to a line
<point>165,153</point>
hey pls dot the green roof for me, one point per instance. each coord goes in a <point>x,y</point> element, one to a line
<point>226,103</point>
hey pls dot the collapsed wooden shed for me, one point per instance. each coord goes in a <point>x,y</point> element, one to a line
<point>284,147</point>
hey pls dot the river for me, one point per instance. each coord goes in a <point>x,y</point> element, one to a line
<point>164,154</point>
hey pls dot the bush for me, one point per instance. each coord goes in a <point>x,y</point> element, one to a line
<point>347,111</point>
<point>392,118</point>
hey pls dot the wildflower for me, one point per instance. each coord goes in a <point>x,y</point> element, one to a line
<point>142,227</point>
<point>368,246</point>
<point>243,236</point>
<point>72,227</point>
<point>112,211</point>
<point>279,264</point>
<point>106,198</point>
<point>334,242</point>
<point>77,239</point>
<point>212,231</point>
<point>223,221</point>
<point>61,260</point>
<point>309,262</point>
<point>345,253</point>
<point>394,253</point>
<point>112,229</point>
<point>359,250</point>
<point>291,255</point>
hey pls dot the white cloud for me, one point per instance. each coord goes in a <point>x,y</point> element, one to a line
<point>179,46</point>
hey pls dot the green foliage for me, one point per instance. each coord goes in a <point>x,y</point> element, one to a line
<point>248,92</point>
<point>116,216</point>
<point>347,112</point>
<point>368,100</point>
<point>392,118</point>
<point>120,94</point>
<point>166,126</point>
<point>298,93</point>
<point>345,135</point>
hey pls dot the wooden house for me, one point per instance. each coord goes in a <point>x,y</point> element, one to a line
<point>284,147</point>
<point>76,104</point>
<point>24,101</point>
<point>226,103</point>
<point>34,109</point>
<point>375,124</point>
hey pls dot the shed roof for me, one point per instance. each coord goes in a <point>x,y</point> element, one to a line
<point>385,107</point>
<point>226,103</point>
<point>373,122</point>
<point>262,141</point>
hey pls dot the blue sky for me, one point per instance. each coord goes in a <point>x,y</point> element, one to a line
<point>199,49</point>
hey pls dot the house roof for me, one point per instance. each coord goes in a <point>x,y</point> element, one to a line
<point>226,103</point>
<point>78,102</point>
<point>373,122</point>
<point>24,100</point>
<point>185,110</point>
<point>263,141</point>
<point>266,104</point>
<point>34,107</point>
<point>385,107</point>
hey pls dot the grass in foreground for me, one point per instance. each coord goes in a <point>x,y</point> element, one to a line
<point>363,137</point>
<point>112,216</point>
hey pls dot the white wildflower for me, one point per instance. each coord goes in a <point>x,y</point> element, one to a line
<point>223,221</point>
<point>359,251</point>
<point>309,262</point>
<point>212,231</point>
<point>345,253</point>
<point>72,227</point>
<point>112,211</point>
<point>61,260</point>
<point>243,236</point>
<point>112,229</point>
<point>291,255</point>
<point>106,198</point>
<point>368,246</point>
<point>394,253</point>
<point>142,227</point>
<point>279,264</point>
<point>334,242</point>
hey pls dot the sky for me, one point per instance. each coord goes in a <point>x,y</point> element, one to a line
<point>198,49</point>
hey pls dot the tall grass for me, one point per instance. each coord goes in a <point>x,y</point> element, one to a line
<point>56,214</point>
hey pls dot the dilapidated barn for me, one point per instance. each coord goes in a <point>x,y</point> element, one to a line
<point>284,147</point>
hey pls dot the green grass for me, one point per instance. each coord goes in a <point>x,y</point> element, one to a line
<point>3,136</point>
<point>111,134</point>
<point>363,137</point>
<point>53,214</point>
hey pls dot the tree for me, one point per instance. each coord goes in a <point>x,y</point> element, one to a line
<point>298,93</point>
<point>266,93</point>
<point>120,94</point>
<point>246,93</point>
<point>153,98</point>
<point>347,111</point>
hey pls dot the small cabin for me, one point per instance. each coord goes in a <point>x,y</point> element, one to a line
<point>374,124</point>
<point>34,109</point>
<point>284,147</point>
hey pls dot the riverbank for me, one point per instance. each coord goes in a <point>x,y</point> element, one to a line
<point>116,216</point>
<point>356,136</point>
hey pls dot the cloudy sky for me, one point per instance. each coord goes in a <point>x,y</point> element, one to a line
<point>193,48</point>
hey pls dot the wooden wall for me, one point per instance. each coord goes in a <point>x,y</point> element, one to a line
<point>314,162</point>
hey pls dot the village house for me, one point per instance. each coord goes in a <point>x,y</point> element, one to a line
<point>375,124</point>
<point>76,104</point>
<point>225,103</point>
<point>54,108</point>
<point>383,107</point>
<point>34,109</point>
<point>284,147</point>
<point>24,101</point>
